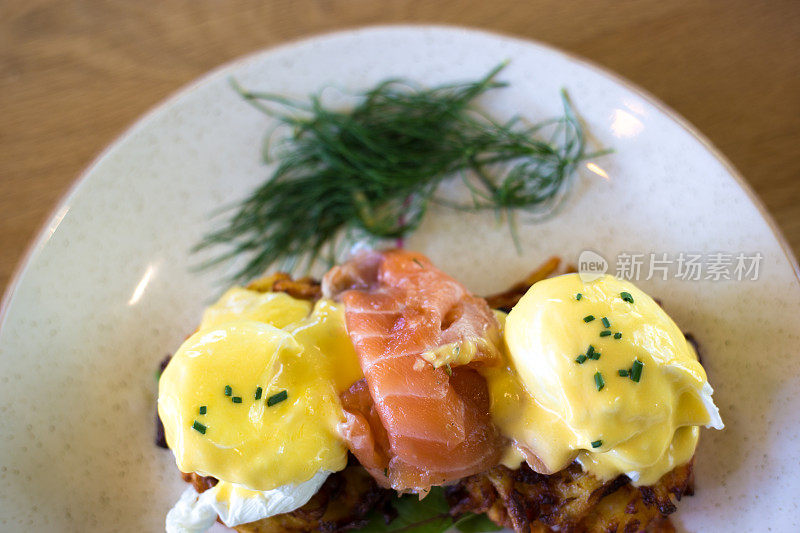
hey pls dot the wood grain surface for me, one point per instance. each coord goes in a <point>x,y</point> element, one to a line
<point>75,74</point>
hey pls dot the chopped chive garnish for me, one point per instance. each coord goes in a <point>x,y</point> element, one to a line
<point>580,359</point>
<point>197,426</point>
<point>636,370</point>
<point>623,373</point>
<point>605,333</point>
<point>626,296</point>
<point>592,354</point>
<point>578,296</point>
<point>598,380</point>
<point>202,410</point>
<point>418,263</point>
<point>228,390</point>
<point>259,390</point>
<point>606,323</point>
<point>237,399</point>
<point>597,444</point>
<point>618,335</point>
<point>588,318</point>
<point>386,472</point>
<point>277,398</point>
<point>448,370</point>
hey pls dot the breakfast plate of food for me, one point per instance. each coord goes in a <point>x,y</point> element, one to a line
<point>409,278</point>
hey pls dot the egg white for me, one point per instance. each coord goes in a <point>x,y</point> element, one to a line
<point>196,513</point>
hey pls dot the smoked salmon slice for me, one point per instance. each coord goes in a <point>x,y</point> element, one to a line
<point>421,415</point>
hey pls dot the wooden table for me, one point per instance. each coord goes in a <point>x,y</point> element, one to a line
<point>73,75</point>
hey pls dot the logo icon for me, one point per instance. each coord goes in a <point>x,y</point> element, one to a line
<point>591,266</point>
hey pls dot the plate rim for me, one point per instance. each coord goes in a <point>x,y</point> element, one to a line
<point>57,213</point>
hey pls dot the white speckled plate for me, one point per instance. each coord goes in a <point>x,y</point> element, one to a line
<point>106,290</point>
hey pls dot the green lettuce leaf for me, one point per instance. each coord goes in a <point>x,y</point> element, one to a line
<point>429,515</point>
<point>475,523</point>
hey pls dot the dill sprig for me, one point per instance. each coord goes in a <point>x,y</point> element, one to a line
<point>374,170</point>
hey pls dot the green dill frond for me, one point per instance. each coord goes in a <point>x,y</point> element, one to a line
<point>375,169</point>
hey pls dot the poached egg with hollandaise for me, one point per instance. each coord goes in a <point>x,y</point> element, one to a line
<point>599,373</point>
<point>252,399</point>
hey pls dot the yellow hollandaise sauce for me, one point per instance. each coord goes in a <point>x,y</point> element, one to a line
<point>252,398</point>
<point>596,371</point>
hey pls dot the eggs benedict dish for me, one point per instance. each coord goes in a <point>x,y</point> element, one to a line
<point>292,409</point>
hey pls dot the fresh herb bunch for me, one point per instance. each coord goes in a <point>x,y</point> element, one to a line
<point>374,170</point>
<point>429,515</point>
